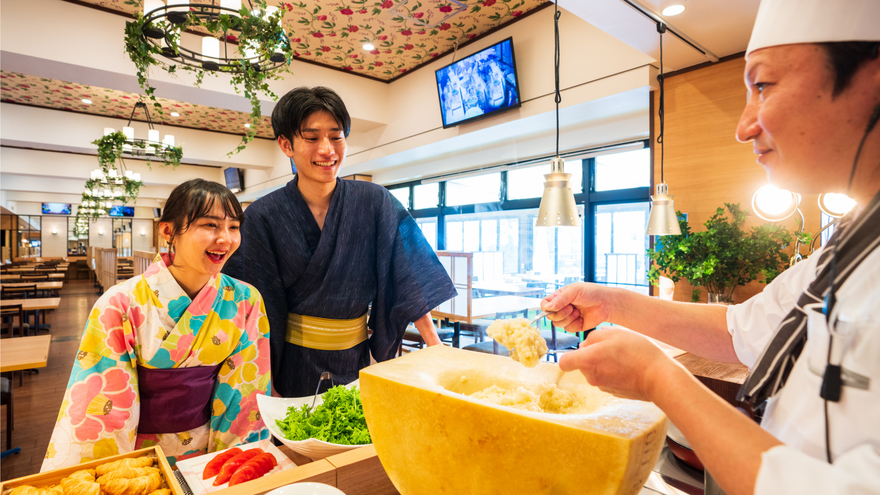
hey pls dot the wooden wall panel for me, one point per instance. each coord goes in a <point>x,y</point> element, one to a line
<point>705,166</point>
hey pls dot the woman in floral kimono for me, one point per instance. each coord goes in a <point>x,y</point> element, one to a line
<point>176,356</point>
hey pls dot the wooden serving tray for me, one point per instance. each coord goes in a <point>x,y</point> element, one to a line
<point>54,477</point>
<point>356,472</point>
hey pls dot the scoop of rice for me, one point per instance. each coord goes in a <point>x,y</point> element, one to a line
<point>523,341</point>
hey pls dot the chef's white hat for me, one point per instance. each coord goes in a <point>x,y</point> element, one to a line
<point>785,22</point>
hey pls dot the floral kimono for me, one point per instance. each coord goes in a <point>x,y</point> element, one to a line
<point>149,323</point>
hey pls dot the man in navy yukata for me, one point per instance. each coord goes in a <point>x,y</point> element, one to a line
<point>322,251</point>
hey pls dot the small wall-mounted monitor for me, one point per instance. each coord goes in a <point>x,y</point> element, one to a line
<point>122,211</point>
<point>480,85</point>
<point>157,212</point>
<point>234,179</point>
<point>56,208</point>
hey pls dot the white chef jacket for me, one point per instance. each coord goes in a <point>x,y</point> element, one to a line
<point>796,414</point>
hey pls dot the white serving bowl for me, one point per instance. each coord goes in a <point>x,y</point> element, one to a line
<point>306,489</point>
<point>275,408</point>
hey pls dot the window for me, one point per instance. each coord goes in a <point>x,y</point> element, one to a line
<point>621,244</point>
<point>623,170</point>
<point>824,220</point>
<point>524,183</point>
<point>426,196</point>
<point>429,230</point>
<point>514,257</point>
<point>471,190</point>
<point>29,240</point>
<point>402,195</point>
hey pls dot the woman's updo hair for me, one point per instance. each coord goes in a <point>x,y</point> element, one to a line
<point>195,199</point>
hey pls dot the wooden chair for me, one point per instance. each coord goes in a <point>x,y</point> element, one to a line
<point>6,400</point>
<point>9,314</point>
<point>18,292</point>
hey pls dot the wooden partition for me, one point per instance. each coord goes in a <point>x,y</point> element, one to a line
<point>705,166</point>
<point>105,260</point>
<point>142,260</point>
<point>460,267</point>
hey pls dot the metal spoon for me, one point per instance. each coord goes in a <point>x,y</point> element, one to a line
<point>540,315</point>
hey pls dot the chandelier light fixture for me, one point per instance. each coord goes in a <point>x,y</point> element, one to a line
<point>263,42</point>
<point>149,147</point>
<point>662,219</point>
<point>558,207</point>
<point>245,39</point>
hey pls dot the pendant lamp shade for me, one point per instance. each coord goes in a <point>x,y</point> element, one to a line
<point>662,220</point>
<point>558,208</point>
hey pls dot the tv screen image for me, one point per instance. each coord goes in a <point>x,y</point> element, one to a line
<point>234,179</point>
<point>122,211</point>
<point>56,208</point>
<point>480,85</point>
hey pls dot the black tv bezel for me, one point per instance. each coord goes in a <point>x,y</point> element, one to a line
<point>239,174</point>
<point>69,208</point>
<point>485,115</point>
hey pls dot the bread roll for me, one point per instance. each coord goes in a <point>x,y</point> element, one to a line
<point>80,487</point>
<point>134,462</point>
<point>127,472</point>
<point>161,491</point>
<point>29,490</point>
<point>141,485</point>
<point>83,474</point>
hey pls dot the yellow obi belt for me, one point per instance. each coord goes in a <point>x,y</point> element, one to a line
<point>325,334</point>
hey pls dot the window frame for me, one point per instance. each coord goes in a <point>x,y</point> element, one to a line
<point>588,198</point>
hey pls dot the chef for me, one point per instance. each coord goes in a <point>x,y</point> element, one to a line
<point>812,338</point>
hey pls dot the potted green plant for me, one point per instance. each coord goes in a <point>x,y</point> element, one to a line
<point>724,255</point>
<point>258,31</point>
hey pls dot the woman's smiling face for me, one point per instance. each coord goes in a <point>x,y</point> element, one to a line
<point>202,249</point>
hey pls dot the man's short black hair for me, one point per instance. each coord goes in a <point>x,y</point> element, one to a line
<point>846,58</point>
<point>299,104</point>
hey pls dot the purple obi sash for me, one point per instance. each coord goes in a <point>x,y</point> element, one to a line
<point>175,400</point>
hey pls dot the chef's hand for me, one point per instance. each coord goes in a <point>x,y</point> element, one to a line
<point>578,307</point>
<point>621,362</point>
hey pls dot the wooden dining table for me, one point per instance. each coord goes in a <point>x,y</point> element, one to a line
<point>16,276</point>
<point>502,289</point>
<point>54,286</point>
<point>22,353</point>
<point>36,305</point>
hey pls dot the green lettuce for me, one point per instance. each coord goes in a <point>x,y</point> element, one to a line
<point>340,419</point>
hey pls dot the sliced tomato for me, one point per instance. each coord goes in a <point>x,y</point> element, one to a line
<point>232,465</point>
<point>266,462</point>
<point>247,472</point>
<point>214,465</point>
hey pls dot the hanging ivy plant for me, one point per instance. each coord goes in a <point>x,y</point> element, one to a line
<point>110,149</point>
<point>258,32</point>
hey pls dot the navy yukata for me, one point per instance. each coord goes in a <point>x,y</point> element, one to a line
<point>370,251</point>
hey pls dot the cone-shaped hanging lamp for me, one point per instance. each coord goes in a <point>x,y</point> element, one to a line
<point>662,220</point>
<point>558,208</point>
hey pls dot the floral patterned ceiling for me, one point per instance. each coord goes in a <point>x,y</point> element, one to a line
<point>63,95</point>
<point>405,33</point>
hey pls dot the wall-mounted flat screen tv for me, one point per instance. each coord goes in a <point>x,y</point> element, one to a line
<point>234,179</point>
<point>480,85</point>
<point>122,211</point>
<point>56,208</point>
